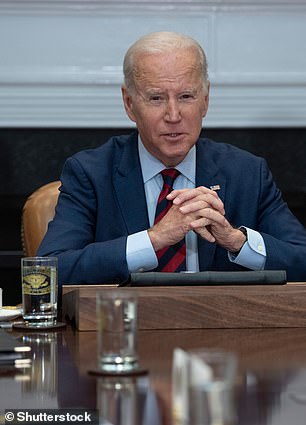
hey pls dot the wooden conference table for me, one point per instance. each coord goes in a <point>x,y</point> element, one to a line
<point>270,386</point>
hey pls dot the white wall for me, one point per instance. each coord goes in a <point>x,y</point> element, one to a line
<point>60,60</point>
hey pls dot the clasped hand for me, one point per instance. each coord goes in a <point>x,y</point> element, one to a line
<point>201,210</point>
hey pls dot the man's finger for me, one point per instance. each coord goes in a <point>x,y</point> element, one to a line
<point>199,204</point>
<point>181,196</point>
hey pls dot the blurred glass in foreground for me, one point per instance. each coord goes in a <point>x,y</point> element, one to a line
<point>203,384</point>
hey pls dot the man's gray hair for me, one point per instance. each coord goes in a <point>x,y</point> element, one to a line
<point>160,42</point>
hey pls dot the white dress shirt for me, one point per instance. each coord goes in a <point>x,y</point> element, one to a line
<point>140,254</point>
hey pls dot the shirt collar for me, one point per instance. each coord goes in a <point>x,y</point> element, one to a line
<point>151,166</point>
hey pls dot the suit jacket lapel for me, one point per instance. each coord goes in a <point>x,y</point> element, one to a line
<point>207,174</point>
<point>128,185</point>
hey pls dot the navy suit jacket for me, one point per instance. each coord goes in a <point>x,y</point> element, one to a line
<point>102,201</point>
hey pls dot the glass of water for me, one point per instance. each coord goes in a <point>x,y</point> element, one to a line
<point>39,290</point>
<point>203,387</point>
<point>117,330</point>
<point>212,376</point>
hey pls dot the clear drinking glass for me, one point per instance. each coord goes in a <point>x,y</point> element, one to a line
<point>211,387</point>
<point>117,330</point>
<point>39,290</point>
<point>203,387</point>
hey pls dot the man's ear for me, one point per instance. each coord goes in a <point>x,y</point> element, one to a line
<point>128,103</point>
<point>206,99</point>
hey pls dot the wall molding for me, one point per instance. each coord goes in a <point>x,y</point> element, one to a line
<point>61,62</point>
<point>138,6</point>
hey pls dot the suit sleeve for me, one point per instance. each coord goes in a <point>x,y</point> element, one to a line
<point>283,234</point>
<point>71,234</point>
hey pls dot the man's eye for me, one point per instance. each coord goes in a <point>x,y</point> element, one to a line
<point>186,96</point>
<point>156,98</point>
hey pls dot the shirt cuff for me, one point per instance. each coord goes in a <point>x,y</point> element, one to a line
<point>140,255</point>
<point>253,253</point>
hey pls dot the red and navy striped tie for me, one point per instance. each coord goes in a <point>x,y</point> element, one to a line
<point>171,258</point>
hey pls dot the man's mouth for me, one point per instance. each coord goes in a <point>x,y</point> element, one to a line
<point>172,134</point>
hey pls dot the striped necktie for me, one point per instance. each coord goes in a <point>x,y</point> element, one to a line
<point>171,258</point>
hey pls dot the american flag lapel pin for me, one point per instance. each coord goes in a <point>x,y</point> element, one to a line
<point>215,187</point>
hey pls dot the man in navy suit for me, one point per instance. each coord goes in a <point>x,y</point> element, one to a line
<point>224,203</point>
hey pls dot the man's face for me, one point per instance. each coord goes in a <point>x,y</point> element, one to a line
<point>168,103</point>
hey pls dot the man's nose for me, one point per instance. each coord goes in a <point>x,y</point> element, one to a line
<point>173,112</point>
